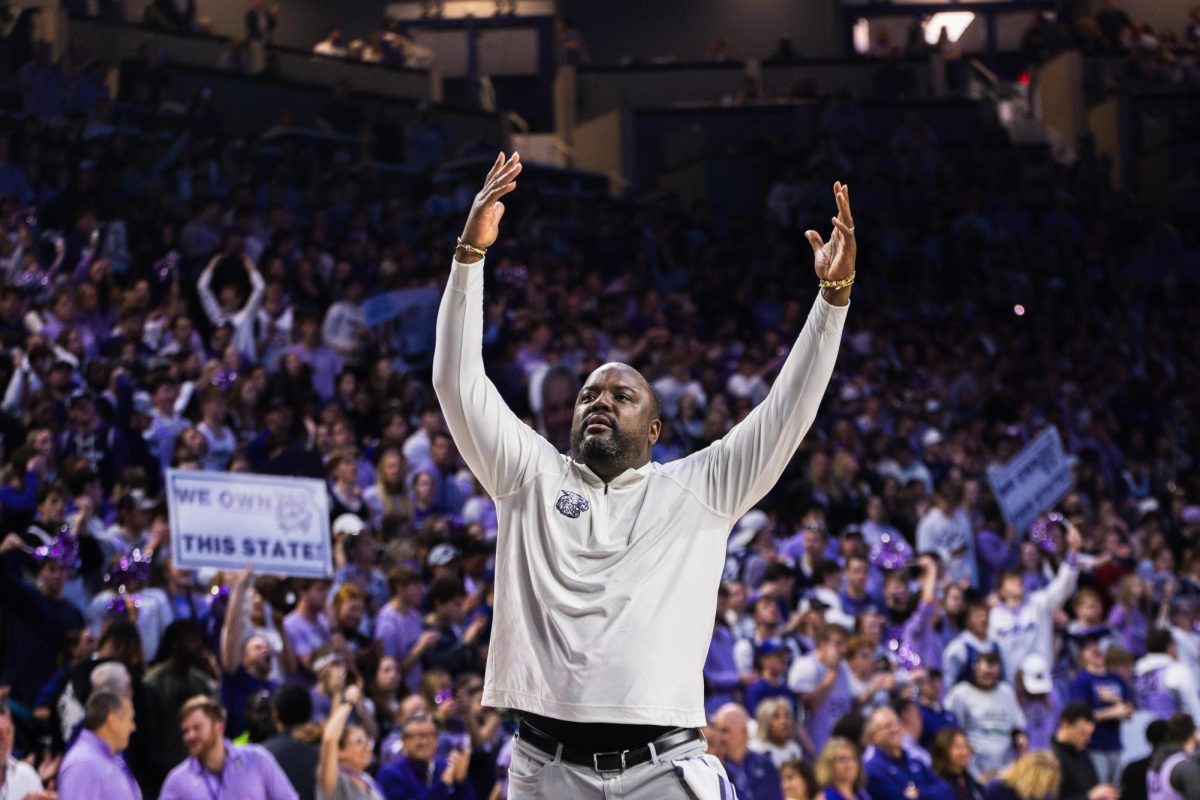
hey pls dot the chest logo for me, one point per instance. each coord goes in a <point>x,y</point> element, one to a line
<point>571,505</point>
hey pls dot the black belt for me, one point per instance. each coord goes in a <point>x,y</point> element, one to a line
<point>615,761</point>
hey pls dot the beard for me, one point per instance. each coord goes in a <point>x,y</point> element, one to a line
<point>615,448</point>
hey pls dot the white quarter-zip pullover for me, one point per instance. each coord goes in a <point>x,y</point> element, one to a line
<point>606,593</point>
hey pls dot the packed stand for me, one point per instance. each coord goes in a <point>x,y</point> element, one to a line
<point>197,302</point>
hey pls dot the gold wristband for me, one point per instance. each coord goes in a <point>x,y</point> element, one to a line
<point>842,284</point>
<point>470,248</point>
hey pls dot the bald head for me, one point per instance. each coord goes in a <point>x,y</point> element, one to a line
<point>732,724</point>
<point>884,731</point>
<point>616,420</point>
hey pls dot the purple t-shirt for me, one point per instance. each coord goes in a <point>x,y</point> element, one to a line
<point>803,677</point>
<point>305,636</point>
<point>398,632</point>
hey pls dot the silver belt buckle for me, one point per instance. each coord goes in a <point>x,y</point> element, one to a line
<point>597,756</point>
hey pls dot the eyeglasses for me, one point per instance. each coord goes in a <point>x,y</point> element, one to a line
<point>361,741</point>
<point>423,735</point>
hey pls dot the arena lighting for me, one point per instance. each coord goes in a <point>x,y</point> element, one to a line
<point>861,35</point>
<point>955,22</point>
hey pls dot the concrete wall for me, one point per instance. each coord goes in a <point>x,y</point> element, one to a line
<point>1167,15</point>
<point>685,28</point>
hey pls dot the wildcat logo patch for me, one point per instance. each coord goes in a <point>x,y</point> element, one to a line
<point>571,505</point>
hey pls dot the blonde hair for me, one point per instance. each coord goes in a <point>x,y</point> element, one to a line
<point>829,754</point>
<point>1034,776</point>
<point>766,710</point>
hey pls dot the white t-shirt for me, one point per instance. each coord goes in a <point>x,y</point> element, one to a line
<point>606,593</point>
<point>20,779</point>
<point>1029,628</point>
<point>989,718</point>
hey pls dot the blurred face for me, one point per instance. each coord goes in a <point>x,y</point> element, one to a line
<point>256,656</point>
<point>781,724</point>
<point>201,733</point>
<point>888,735</point>
<point>766,612</point>
<point>53,577</point>
<point>870,623</point>
<point>423,487</point>
<point>6,736</point>
<point>793,784</point>
<point>420,740</point>
<point>977,621</point>
<point>316,595</point>
<point>120,726</point>
<point>856,575</point>
<point>1091,657</point>
<point>439,451</point>
<point>1012,590</point>
<point>86,646</point>
<point>351,613</point>
<point>987,673</point>
<point>845,767</point>
<point>734,734</point>
<point>833,648</point>
<point>452,610</point>
<point>355,754</point>
<point>391,469</point>
<point>1089,610</point>
<point>861,661</point>
<point>959,753</point>
<point>1078,733</point>
<point>53,509</point>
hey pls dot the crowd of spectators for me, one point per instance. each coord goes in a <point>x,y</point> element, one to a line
<point>197,302</point>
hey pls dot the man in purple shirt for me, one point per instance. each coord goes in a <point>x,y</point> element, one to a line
<point>216,769</point>
<point>93,768</point>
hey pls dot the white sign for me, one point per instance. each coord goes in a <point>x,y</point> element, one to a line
<point>1033,481</point>
<point>229,519</point>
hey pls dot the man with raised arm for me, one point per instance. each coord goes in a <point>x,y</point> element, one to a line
<point>607,564</point>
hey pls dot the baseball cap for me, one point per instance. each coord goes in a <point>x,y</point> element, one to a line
<point>1035,672</point>
<point>350,524</point>
<point>142,404</point>
<point>442,554</point>
<point>768,647</point>
<point>746,529</point>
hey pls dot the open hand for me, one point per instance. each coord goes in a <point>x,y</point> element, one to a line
<point>834,260</point>
<point>483,222</point>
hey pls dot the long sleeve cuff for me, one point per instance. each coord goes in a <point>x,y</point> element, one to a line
<point>469,277</point>
<point>832,317</point>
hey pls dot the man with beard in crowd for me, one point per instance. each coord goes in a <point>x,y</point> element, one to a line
<point>216,768</point>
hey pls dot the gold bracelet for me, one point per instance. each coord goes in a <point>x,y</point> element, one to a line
<point>470,248</point>
<point>842,284</point>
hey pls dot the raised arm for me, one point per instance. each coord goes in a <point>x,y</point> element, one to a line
<point>741,468</point>
<point>235,621</point>
<point>208,300</point>
<point>500,450</point>
<point>327,765</point>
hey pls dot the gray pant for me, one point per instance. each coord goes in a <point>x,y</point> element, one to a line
<point>1108,765</point>
<point>682,773</point>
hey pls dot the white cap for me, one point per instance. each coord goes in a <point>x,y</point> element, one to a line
<point>1035,672</point>
<point>442,554</point>
<point>351,524</point>
<point>746,529</point>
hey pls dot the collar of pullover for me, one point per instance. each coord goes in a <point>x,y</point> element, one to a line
<point>630,477</point>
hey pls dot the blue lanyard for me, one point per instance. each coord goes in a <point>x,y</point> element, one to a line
<point>215,794</point>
